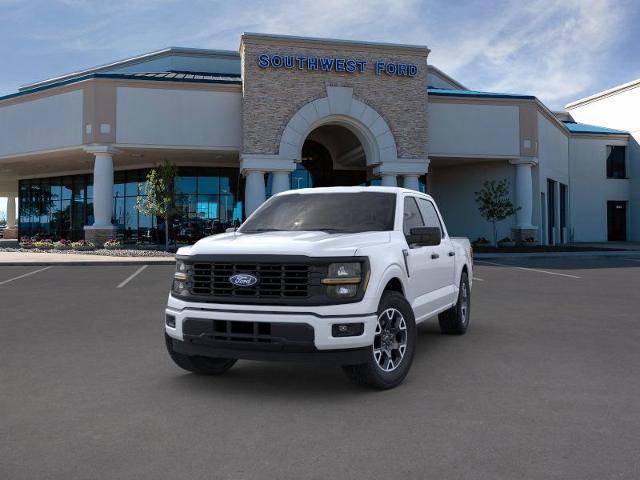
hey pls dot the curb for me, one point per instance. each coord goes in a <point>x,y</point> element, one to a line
<point>616,253</point>
<point>90,263</point>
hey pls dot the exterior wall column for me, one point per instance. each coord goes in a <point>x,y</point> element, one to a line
<point>254,167</point>
<point>524,198</point>
<point>254,192</point>
<point>11,212</point>
<point>389,180</point>
<point>409,169</point>
<point>280,182</point>
<point>11,232</point>
<point>102,229</point>
<point>411,182</point>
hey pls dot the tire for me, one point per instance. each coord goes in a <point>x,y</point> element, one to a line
<point>455,321</point>
<point>199,365</point>
<point>393,346</point>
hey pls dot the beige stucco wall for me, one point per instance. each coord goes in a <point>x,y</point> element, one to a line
<point>272,96</point>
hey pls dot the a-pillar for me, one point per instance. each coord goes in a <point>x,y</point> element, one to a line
<point>102,229</point>
<point>524,230</point>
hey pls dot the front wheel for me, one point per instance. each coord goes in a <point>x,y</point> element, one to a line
<point>199,365</point>
<point>455,321</point>
<point>393,345</point>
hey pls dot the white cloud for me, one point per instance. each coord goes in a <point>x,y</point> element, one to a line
<point>553,49</point>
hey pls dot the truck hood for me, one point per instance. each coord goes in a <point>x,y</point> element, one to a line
<point>312,244</point>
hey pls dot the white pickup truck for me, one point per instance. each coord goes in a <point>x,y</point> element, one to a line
<point>340,274</point>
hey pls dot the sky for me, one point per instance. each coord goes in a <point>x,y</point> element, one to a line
<point>558,50</point>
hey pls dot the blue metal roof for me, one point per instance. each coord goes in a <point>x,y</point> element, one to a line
<point>188,77</point>
<point>575,127</point>
<point>445,92</point>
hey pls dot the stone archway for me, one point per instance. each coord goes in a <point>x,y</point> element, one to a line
<point>340,108</point>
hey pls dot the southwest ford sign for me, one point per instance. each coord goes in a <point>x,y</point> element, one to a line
<point>335,64</point>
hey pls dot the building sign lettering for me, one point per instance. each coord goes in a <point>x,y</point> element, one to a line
<point>335,64</point>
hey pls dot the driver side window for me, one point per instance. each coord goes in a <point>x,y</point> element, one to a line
<point>411,216</point>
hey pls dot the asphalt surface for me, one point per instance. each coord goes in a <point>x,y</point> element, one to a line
<point>543,386</point>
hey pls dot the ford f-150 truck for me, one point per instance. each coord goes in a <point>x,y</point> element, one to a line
<point>339,274</point>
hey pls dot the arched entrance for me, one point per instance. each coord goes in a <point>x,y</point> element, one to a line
<point>333,156</point>
<point>330,141</point>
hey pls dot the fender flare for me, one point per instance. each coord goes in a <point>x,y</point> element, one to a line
<point>392,271</point>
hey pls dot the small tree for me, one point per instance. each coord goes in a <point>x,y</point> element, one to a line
<point>494,203</point>
<point>160,193</point>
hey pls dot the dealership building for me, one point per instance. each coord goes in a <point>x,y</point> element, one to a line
<point>289,112</point>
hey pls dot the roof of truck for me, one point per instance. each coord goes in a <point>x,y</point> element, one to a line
<point>349,190</point>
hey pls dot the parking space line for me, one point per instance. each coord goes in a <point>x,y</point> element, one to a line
<point>25,275</point>
<point>476,279</point>
<point>528,269</point>
<point>132,276</point>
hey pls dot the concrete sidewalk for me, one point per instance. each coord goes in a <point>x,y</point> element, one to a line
<point>35,259</point>
<point>592,253</point>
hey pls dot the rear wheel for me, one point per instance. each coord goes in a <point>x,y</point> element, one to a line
<point>393,345</point>
<point>199,365</point>
<point>455,321</point>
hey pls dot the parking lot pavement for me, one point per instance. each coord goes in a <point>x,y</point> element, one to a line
<point>544,385</point>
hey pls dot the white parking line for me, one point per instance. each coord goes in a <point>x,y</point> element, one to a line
<point>132,276</point>
<point>476,279</point>
<point>24,275</point>
<point>528,269</point>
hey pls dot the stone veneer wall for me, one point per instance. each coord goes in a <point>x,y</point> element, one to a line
<point>271,96</point>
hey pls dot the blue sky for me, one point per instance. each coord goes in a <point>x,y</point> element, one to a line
<point>557,50</point>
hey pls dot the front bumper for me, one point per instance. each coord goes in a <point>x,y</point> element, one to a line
<point>350,356</point>
<point>222,326</point>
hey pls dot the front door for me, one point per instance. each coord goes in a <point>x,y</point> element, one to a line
<point>617,221</point>
<point>424,283</point>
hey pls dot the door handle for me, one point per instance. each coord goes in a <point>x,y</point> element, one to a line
<point>452,254</point>
<point>434,256</point>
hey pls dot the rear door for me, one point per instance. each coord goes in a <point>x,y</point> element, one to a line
<point>442,265</point>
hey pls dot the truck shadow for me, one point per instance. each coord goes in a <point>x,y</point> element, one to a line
<point>300,381</point>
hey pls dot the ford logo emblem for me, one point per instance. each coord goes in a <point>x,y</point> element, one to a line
<point>243,280</point>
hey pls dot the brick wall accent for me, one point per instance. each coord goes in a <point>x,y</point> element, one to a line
<point>272,96</point>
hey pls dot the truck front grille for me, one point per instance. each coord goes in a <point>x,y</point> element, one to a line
<point>274,280</point>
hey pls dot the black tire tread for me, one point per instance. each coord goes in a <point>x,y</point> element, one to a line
<point>449,320</point>
<point>198,365</point>
<point>366,374</point>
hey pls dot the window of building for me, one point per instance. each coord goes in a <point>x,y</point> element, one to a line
<point>616,161</point>
<point>207,201</point>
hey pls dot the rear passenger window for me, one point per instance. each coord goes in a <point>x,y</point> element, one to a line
<point>429,214</point>
<point>412,217</point>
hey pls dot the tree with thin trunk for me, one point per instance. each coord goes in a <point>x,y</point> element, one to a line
<point>160,195</point>
<point>494,203</point>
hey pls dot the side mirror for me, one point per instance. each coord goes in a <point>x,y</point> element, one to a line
<point>424,236</point>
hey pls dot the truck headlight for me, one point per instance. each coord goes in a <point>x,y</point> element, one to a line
<point>180,279</point>
<point>343,279</point>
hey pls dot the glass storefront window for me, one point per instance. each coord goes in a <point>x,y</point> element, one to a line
<point>208,202</point>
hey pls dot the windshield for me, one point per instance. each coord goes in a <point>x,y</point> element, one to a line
<point>329,212</point>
